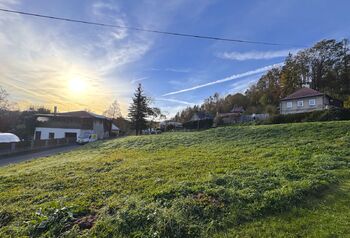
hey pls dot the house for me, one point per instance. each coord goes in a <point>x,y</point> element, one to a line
<point>71,125</point>
<point>115,130</point>
<point>233,116</point>
<point>307,100</point>
<point>236,116</point>
<point>201,116</point>
<point>170,125</point>
<point>199,120</point>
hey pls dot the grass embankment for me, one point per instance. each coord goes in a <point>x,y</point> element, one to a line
<point>276,180</point>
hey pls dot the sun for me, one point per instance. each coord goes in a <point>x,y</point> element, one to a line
<point>76,85</point>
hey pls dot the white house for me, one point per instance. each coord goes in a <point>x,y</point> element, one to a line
<point>307,100</point>
<point>71,125</point>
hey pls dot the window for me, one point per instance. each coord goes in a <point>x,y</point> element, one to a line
<point>37,135</point>
<point>51,135</point>
<point>289,104</point>
<point>312,102</point>
<point>300,103</point>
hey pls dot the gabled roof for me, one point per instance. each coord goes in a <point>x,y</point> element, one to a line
<point>303,93</point>
<point>203,115</point>
<point>236,109</point>
<point>77,114</point>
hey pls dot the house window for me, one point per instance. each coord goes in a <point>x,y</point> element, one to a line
<point>289,104</point>
<point>312,102</point>
<point>37,135</point>
<point>51,135</point>
<point>300,103</point>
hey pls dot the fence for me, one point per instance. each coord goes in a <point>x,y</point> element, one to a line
<point>32,145</point>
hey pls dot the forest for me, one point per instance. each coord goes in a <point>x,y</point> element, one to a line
<point>324,67</point>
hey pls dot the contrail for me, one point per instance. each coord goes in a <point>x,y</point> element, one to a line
<point>175,101</point>
<point>232,77</point>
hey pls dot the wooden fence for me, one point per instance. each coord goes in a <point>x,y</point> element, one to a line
<point>33,145</point>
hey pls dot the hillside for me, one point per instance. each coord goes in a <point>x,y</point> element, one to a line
<point>286,180</point>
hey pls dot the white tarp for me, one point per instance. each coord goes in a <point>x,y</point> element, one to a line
<point>8,138</point>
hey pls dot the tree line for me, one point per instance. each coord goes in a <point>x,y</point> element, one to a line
<point>324,67</point>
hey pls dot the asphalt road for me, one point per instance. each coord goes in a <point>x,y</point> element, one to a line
<point>24,157</point>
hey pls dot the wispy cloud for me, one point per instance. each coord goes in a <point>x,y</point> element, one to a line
<point>175,101</point>
<point>230,78</point>
<point>100,8</point>
<point>256,55</point>
<point>174,70</point>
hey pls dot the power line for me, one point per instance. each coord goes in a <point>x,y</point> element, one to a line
<point>146,30</point>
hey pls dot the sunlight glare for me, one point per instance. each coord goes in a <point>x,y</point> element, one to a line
<point>77,85</point>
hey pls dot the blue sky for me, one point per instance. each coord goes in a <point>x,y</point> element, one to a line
<point>76,66</point>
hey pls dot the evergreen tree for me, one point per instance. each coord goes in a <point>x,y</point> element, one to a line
<point>139,110</point>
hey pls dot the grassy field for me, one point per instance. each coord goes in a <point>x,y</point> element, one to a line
<point>290,180</point>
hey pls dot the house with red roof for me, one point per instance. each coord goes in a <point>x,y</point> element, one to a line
<point>307,100</point>
<point>71,125</point>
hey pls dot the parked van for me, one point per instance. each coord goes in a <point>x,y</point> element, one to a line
<point>86,138</point>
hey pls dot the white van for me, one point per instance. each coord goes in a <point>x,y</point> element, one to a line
<point>86,138</point>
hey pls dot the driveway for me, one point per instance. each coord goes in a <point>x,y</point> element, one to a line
<point>30,156</point>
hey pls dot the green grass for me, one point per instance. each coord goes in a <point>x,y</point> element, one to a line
<point>288,180</point>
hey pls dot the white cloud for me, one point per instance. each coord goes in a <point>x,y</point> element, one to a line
<point>99,8</point>
<point>8,3</point>
<point>256,55</point>
<point>230,78</point>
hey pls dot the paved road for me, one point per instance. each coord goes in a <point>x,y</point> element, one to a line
<point>24,157</point>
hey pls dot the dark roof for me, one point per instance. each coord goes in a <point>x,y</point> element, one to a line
<point>303,93</point>
<point>204,115</point>
<point>236,109</point>
<point>78,114</point>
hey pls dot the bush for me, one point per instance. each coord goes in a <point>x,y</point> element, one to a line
<point>333,114</point>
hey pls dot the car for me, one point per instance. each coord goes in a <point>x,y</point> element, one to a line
<point>86,138</point>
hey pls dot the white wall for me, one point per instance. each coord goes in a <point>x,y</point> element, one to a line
<point>59,132</point>
<point>320,105</point>
<point>99,129</point>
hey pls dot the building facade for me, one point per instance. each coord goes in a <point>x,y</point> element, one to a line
<point>71,125</point>
<point>307,100</point>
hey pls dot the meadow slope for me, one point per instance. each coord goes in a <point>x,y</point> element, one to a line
<point>290,180</point>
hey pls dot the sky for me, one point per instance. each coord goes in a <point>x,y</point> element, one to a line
<point>77,67</point>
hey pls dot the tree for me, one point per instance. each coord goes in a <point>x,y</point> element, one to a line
<point>4,103</point>
<point>139,110</point>
<point>113,111</point>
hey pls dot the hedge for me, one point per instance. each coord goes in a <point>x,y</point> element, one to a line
<point>333,114</point>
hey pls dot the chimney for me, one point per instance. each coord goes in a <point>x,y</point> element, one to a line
<point>55,110</point>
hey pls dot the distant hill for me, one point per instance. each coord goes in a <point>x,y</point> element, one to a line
<point>246,181</point>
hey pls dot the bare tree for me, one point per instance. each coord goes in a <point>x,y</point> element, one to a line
<point>113,111</point>
<point>4,103</point>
